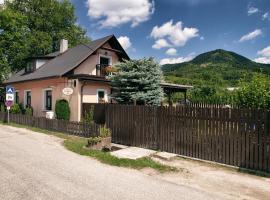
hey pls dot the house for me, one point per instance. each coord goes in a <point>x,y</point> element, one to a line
<point>76,74</point>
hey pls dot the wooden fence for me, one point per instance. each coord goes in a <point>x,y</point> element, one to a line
<point>238,137</point>
<point>98,110</point>
<point>71,128</point>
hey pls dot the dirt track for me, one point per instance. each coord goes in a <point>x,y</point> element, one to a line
<point>37,166</point>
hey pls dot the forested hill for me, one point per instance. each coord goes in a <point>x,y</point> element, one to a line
<point>217,68</point>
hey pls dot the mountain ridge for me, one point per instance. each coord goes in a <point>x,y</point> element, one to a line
<point>218,67</point>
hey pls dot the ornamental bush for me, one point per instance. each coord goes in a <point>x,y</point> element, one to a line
<point>28,111</point>
<point>105,132</point>
<point>89,116</point>
<point>62,109</point>
<point>3,107</point>
<point>15,109</point>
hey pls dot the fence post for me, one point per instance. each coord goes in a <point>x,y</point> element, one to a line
<point>158,131</point>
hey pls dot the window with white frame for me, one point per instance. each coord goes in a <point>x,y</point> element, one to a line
<point>27,98</point>
<point>101,96</point>
<point>47,99</point>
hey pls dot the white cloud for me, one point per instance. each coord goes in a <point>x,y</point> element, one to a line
<point>265,56</point>
<point>175,33</point>
<point>266,16</point>
<point>2,2</point>
<point>176,60</point>
<point>250,36</point>
<point>265,52</point>
<point>113,13</point>
<point>125,42</point>
<point>161,43</point>
<point>201,38</point>
<point>264,60</point>
<point>252,10</point>
<point>171,52</point>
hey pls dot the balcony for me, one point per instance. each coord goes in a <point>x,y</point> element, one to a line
<point>103,70</point>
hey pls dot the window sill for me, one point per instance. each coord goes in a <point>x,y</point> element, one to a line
<point>47,110</point>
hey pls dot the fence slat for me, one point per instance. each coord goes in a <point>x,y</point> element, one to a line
<point>72,128</point>
<point>234,136</point>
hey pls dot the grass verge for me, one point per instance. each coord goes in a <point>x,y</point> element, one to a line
<point>76,145</point>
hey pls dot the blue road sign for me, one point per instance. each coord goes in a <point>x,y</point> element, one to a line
<point>10,89</point>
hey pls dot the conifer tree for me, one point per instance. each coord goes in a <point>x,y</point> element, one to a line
<point>138,80</point>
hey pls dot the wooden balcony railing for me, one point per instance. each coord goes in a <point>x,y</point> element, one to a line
<point>103,70</point>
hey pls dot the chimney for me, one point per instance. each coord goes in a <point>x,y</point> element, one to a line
<point>63,45</point>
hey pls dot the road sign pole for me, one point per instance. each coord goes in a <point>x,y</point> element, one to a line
<point>9,99</point>
<point>8,115</point>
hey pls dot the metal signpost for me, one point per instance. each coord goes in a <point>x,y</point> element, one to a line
<point>9,98</point>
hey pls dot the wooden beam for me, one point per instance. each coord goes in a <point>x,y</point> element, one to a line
<point>110,49</point>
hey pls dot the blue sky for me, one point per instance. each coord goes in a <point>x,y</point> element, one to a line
<point>177,30</point>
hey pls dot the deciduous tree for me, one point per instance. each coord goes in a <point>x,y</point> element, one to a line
<point>34,28</point>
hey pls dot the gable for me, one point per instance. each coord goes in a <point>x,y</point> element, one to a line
<point>89,65</point>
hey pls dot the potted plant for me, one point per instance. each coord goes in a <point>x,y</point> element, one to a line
<point>102,142</point>
<point>110,69</point>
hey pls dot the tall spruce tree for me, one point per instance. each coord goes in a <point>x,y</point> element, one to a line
<point>33,28</point>
<point>138,80</point>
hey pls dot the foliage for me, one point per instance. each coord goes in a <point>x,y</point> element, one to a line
<point>93,141</point>
<point>40,24</point>
<point>89,116</point>
<point>255,94</point>
<point>15,109</point>
<point>62,109</point>
<point>3,107</point>
<point>211,73</point>
<point>211,94</point>
<point>29,111</point>
<point>105,132</point>
<point>138,80</point>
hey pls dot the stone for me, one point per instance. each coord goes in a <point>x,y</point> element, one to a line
<point>133,153</point>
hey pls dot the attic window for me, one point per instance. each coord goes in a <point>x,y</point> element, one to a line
<point>31,66</point>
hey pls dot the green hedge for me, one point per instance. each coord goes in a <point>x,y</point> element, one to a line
<point>62,109</point>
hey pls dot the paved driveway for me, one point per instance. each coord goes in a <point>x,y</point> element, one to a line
<point>37,166</point>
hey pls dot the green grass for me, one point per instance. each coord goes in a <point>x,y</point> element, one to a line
<point>77,144</point>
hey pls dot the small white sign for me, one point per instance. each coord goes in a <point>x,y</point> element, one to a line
<point>8,108</point>
<point>9,97</point>
<point>67,91</point>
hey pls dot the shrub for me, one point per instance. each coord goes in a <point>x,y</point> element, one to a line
<point>15,109</point>
<point>89,116</point>
<point>93,141</point>
<point>255,93</point>
<point>3,108</point>
<point>29,111</point>
<point>105,132</point>
<point>62,109</point>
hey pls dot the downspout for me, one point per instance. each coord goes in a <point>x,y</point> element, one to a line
<point>83,84</point>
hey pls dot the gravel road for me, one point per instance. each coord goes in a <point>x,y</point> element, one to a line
<point>37,166</point>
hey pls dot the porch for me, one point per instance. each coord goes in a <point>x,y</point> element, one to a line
<point>170,89</point>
